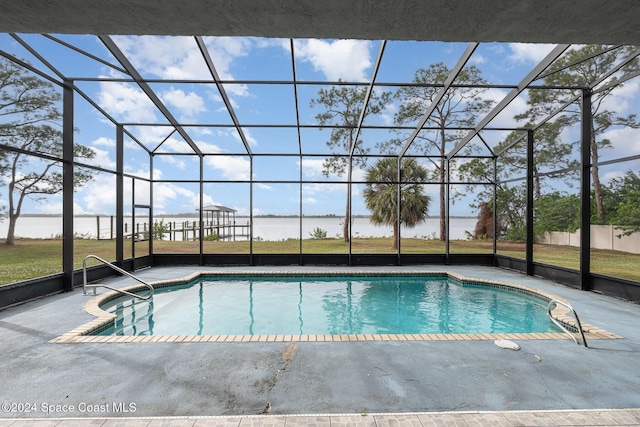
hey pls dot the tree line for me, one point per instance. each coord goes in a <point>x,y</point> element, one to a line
<point>560,211</point>
<point>460,107</point>
<point>614,203</point>
<point>30,122</point>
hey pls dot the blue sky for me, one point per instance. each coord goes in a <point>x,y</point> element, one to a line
<point>241,59</point>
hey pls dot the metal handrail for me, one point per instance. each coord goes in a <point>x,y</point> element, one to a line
<point>562,326</point>
<point>119,270</point>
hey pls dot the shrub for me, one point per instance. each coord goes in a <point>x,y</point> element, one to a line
<point>159,229</point>
<point>318,233</point>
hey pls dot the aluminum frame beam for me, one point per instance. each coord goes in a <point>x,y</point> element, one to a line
<point>67,185</point>
<point>223,93</point>
<point>124,61</point>
<point>367,98</point>
<point>533,74</point>
<point>585,191</point>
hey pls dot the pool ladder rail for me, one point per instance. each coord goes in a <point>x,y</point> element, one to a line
<point>561,325</point>
<point>119,270</point>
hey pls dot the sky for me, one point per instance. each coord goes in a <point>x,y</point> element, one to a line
<point>243,61</point>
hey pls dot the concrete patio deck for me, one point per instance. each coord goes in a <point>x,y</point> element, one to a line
<point>418,382</point>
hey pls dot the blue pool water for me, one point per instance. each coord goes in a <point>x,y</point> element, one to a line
<point>328,305</point>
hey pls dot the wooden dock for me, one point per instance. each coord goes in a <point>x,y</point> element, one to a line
<point>177,230</point>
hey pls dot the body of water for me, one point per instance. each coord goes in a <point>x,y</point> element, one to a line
<point>266,228</point>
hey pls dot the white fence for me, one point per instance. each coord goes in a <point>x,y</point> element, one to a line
<point>602,237</point>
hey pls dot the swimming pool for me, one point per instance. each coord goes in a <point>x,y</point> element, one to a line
<point>330,305</point>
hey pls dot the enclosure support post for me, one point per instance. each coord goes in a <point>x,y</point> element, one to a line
<point>67,185</point>
<point>399,210</point>
<point>300,211</point>
<point>348,215</point>
<point>151,210</point>
<point>447,247</point>
<point>251,227</point>
<point>133,222</point>
<point>201,211</point>
<point>495,207</point>
<point>119,195</point>
<point>529,213</point>
<point>585,191</point>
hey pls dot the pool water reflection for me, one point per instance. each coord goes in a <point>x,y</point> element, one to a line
<point>329,305</point>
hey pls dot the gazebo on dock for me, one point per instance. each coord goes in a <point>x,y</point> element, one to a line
<point>222,220</point>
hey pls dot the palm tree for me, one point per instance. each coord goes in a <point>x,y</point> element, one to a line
<point>381,194</point>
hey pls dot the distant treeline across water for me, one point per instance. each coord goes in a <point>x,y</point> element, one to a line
<point>264,227</point>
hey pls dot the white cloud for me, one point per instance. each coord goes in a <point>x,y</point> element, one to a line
<point>215,96</point>
<point>264,186</point>
<point>174,145</point>
<point>227,137</point>
<point>247,134</point>
<point>208,200</point>
<point>131,145</point>
<point>314,189</point>
<point>167,195</point>
<point>174,161</point>
<point>388,113</point>
<point>106,142</point>
<point>232,168</point>
<point>477,59</point>
<point>151,136</point>
<point>622,97</point>
<point>628,90</point>
<point>607,177</point>
<point>126,102</point>
<point>173,58</point>
<point>312,167</point>
<point>164,57</point>
<point>144,173</point>
<point>202,131</point>
<point>529,53</point>
<point>223,51</point>
<point>101,159</point>
<point>338,59</point>
<point>506,117</point>
<point>207,147</point>
<point>359,174</point>
<point>189,104</point>
<point>625,141</point>
<point>99,196</point>
<point>50,208</point>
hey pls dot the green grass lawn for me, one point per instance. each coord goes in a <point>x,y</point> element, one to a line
<point>33,258</point>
